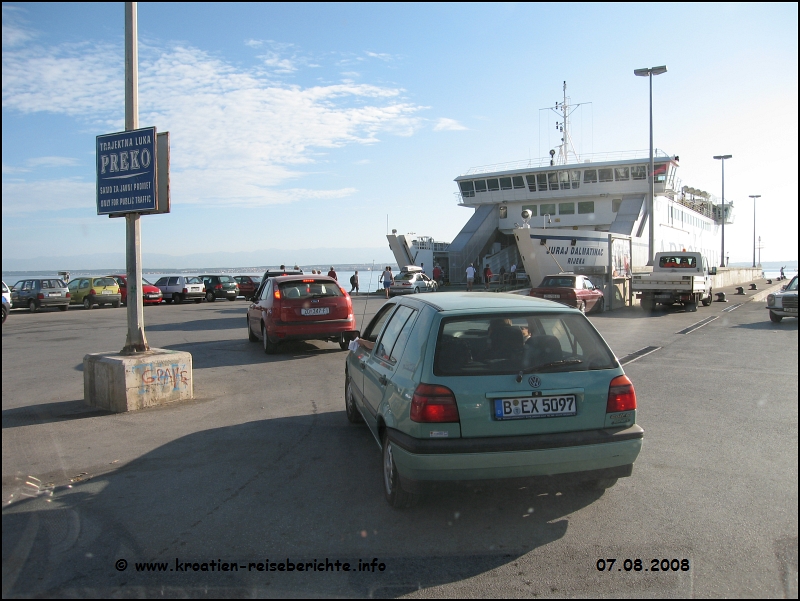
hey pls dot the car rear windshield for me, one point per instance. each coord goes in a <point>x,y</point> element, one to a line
<point>558,283</point>
<point>104,282</point>
<point>309,289</point>
<point>405,276</point>
<point>53,284</point>
<point>194,281</point>
<point>678,262</point>
<point>510,343</point>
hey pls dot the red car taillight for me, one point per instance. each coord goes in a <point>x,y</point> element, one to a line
<point>433,404</point>
<point>69,295</point>
<point>40,296</point>
<point>92,291</point>
<point>186,291</point>
<point>621,395</point>
<point>218,287</point>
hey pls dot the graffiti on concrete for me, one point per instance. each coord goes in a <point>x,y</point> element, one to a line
<point>151,377</point>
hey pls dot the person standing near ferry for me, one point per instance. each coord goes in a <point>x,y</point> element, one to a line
<point>332,274</point>
<point>470,277</point>
<point>388,279</point>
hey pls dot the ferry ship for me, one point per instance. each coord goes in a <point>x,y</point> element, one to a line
<point>586,214</point>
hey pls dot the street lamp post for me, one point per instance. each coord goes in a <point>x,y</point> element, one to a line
<point>722,157</point>
<point>651,201</point>
<point>754,196</point>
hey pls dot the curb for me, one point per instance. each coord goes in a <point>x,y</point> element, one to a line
<point>764,293</point>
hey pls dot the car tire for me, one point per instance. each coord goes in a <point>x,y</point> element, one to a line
<point>5,313</point>
<point>115,304</point>
<point>392,490</point>
<point>210,297</point>
<point>600,305</point>
<point>599,484</point>
<point>582,306</point>
<point>344,342</point>
<point>87,304</point>
<point>178,298</point>
<point>250,336</point>
<point>353,414</point>
<point>707,300</point>
<point>32,306</point>
<point>64,307</point>
<point>774,317</point>
<point>270,348</point>
<point>197,301</point>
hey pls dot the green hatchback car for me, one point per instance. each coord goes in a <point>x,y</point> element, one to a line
<point>466,387</point>
<point>95,291</point>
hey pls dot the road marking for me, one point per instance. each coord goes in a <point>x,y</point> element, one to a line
<point>697,325</point>
<point>732,308</point>
<point>636,355</point>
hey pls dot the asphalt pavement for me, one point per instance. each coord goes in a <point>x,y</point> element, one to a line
<point>263,467</point>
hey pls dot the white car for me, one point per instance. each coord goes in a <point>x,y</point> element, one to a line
<point>783,304</point>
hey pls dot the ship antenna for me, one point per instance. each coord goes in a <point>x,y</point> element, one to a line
<point>564,110</point>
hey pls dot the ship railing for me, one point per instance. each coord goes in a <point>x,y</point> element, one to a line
<point>598,157</point>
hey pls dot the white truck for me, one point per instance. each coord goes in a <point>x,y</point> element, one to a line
<point>677,277</point>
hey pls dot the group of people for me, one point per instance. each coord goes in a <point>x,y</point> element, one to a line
<point>488,275</point>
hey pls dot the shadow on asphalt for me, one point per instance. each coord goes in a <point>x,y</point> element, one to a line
<point>306,489</point>
<point>197,325</point>
<point>225,353</point>
<point>47,413</point>
<point>786,324</point>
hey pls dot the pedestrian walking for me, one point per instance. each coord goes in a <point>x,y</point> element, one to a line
<point>487,276</point>
<point>470,277</point>
<point>437,274</point>
<point>332,274</point>
<point>514,273</point>
<point>354,283</point>
<point>388,279</point>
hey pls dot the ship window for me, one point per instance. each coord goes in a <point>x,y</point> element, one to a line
<point>585,208</point>
<point>575,177</point>
<point>467,189</point>
<point>606,175</point>
<point>621,174</point>
<point>503,212</point>
<point>639,172</point>
<point>531,182</point>
<point>480,185</point>
<point>518,182</point>
<point>660,172</point>
<point>552,179</point>
<point>493,185</point>
<point>615,204</point>
<point>505,183</point>
<point>590,176</point>
<point>566,208</point>
<point>547,210</point>
<point>542,179</point>
<point>531,208</point>
<point>563,178</point>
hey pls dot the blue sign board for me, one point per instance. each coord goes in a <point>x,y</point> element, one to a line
<point>126,172</point>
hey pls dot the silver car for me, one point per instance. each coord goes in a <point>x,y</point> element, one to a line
<point>412,282</point>
<point>179,288</point>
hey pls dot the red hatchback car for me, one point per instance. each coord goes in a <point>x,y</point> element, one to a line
<point>571,290</point>
<point>150,294</point>
<point>300,307</point>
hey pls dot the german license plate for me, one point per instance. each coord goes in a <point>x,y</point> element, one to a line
<point>791,309</point>
<point>663,296</point>
<point>546,406</point>
<point>107,292</point>
<point>315,311</point>
<point>54,294</point>
<point>552,296</point>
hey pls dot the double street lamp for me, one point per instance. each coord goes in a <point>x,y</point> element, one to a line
<point>754,196</point>
<point>722,157</point>
<point>651,201</point>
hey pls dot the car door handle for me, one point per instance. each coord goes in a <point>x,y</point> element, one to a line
<point>383,380</point>
<point>362,364</point>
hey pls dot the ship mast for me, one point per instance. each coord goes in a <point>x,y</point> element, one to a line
<point>564,109</point>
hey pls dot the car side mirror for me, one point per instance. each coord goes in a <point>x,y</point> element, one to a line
<point>712,271</point>
<point>783,288</point>
<point>13,289</point>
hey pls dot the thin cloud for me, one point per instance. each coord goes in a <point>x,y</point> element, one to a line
<point>14,34</point>
<point>237,136</point>
<point>52,162</point>
<point>445,124</point>
<point>21,196</point>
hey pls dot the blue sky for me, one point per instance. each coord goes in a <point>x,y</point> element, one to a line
<point>300,126</point>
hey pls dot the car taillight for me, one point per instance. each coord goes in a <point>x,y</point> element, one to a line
<point>69,295</point>
<point>621,395</point>
<point>433,403</point>
<point>185,291</point>
<point>277,294</point>
<point>218,287</point>
<point>343,290</point>
<point>92,291</point>
<point>40,296</point>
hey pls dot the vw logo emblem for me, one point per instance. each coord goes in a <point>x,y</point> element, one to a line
<point>534,381</point>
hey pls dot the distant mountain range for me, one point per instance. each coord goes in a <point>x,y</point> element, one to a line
<point>152,261</point>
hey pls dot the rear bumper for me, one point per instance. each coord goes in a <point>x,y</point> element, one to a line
<point>319,330</point>
<point>468,459</point>
<point>783,312</point>
<point>105,299</point>
<point>52,301</point>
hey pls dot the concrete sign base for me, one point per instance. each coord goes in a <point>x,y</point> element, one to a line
<point>130,382</point>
